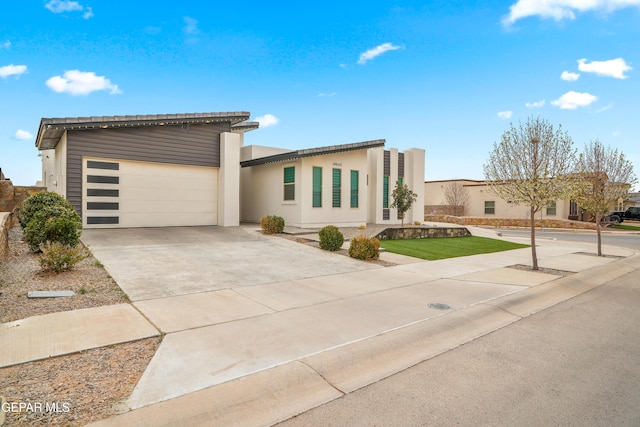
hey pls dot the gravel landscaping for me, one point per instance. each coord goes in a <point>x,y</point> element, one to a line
<point>87,386</point>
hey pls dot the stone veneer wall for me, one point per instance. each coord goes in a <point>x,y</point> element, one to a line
<point>510,222</point>
<point>422,233</point>
<point>6,223</point>
<point>12,196</point>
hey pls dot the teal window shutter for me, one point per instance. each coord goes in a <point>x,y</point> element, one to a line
<point>385,193</point>
<point>289,183</point>
<point>337,182</point>
<point>354,189</point>
<point>317,187</point>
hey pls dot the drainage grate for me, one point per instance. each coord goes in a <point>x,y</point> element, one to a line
<point>439,306</point>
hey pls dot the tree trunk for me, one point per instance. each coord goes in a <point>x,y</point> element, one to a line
<point>598,229</point>
<point>534,255</point>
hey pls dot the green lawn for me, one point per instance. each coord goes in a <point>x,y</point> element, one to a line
<point>441,248</point>
<point>624,227</point>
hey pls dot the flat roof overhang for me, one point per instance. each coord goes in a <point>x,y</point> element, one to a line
<point>52,129</point>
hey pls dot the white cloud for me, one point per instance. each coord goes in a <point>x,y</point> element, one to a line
<point>616,133</point>
<point>5,45</point>
<point>190,25</point>
<point>376,51</point>
<point>505,114</point>
<point>562,9</point>
<point>569,76</point>
<point>23,135</point>
<point>76,82</point>
<point>61,6</point>
<point>327,94</point>
<point>572,100</point>
<point>612,68</point>
<point>537,104</point>
<point>267,120</point>
<point>12,70</point>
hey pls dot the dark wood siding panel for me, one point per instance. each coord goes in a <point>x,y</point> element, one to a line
<point>401,165</point>
<point>387,163</point>
<point>196,145</point>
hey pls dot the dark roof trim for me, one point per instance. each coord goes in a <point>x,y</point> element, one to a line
<point>51,130</point>
<point>309,152</point>
<point>245,126</point>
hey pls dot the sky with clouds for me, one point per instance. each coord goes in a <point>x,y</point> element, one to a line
<point>446,77</point>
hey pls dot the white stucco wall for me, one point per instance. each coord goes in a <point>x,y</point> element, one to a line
<point>229,180</point>
<point>344,215</point>
<point>54,167</point>
<point>262,193</point>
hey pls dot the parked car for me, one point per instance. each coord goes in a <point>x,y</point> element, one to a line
<point>632,213</point>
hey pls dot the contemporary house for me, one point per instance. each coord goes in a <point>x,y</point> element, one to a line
<point>193,169</point>
<point>146,171</point>
<point>347,185</point>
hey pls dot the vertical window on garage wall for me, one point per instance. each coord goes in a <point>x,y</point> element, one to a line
<point>317,187</point>
<point>354,189</point>
<point>290,183</point>
<point>337,182</point>
<point>385,192</point>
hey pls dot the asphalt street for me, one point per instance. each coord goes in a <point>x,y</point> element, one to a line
<point>611,238</point>
<point>575,364</point>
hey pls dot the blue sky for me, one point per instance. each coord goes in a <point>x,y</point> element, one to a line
<point>448,77</point>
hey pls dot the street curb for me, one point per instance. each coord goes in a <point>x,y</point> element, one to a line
<point>277,394</point>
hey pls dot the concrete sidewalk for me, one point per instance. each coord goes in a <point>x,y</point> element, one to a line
<point>281,389</point>
<point>55,334</point>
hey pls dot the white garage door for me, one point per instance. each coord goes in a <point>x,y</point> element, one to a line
<point>119,193</point>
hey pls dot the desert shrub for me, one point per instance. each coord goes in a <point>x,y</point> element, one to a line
<point>331,238</point>
<point>363,247</point>
<point>272,224</point>
<point>59,257</point>
<point>417,223</point>
<point>37,202</point>
<point>53,224</point>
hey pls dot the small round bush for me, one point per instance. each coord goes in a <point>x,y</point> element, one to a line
<point>272,224</point>
<point>365,248</point>
<point>53,224</point>
<point>331,238</point>
<point>37,202</point>
<point>57,257</point>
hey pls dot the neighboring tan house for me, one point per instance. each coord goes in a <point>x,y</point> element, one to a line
<point>344,185</point>
<point>192,169</point>
<point>482,203</point>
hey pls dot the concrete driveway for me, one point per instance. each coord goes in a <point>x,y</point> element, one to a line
<point>151,263</point>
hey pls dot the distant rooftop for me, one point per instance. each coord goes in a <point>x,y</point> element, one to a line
<point>52,129</point>
<point>309,152</point>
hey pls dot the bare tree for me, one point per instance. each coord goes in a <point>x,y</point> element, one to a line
<point>531,166</point>
<point>457,196</point>
<point>604,176</point>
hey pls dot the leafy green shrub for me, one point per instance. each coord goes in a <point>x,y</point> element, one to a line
<point>35,203</point>
<point>59,257</point>
<point>272,224</point>
<point>331,238</point>
<point>363,247</point>
<point>53,224</point>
